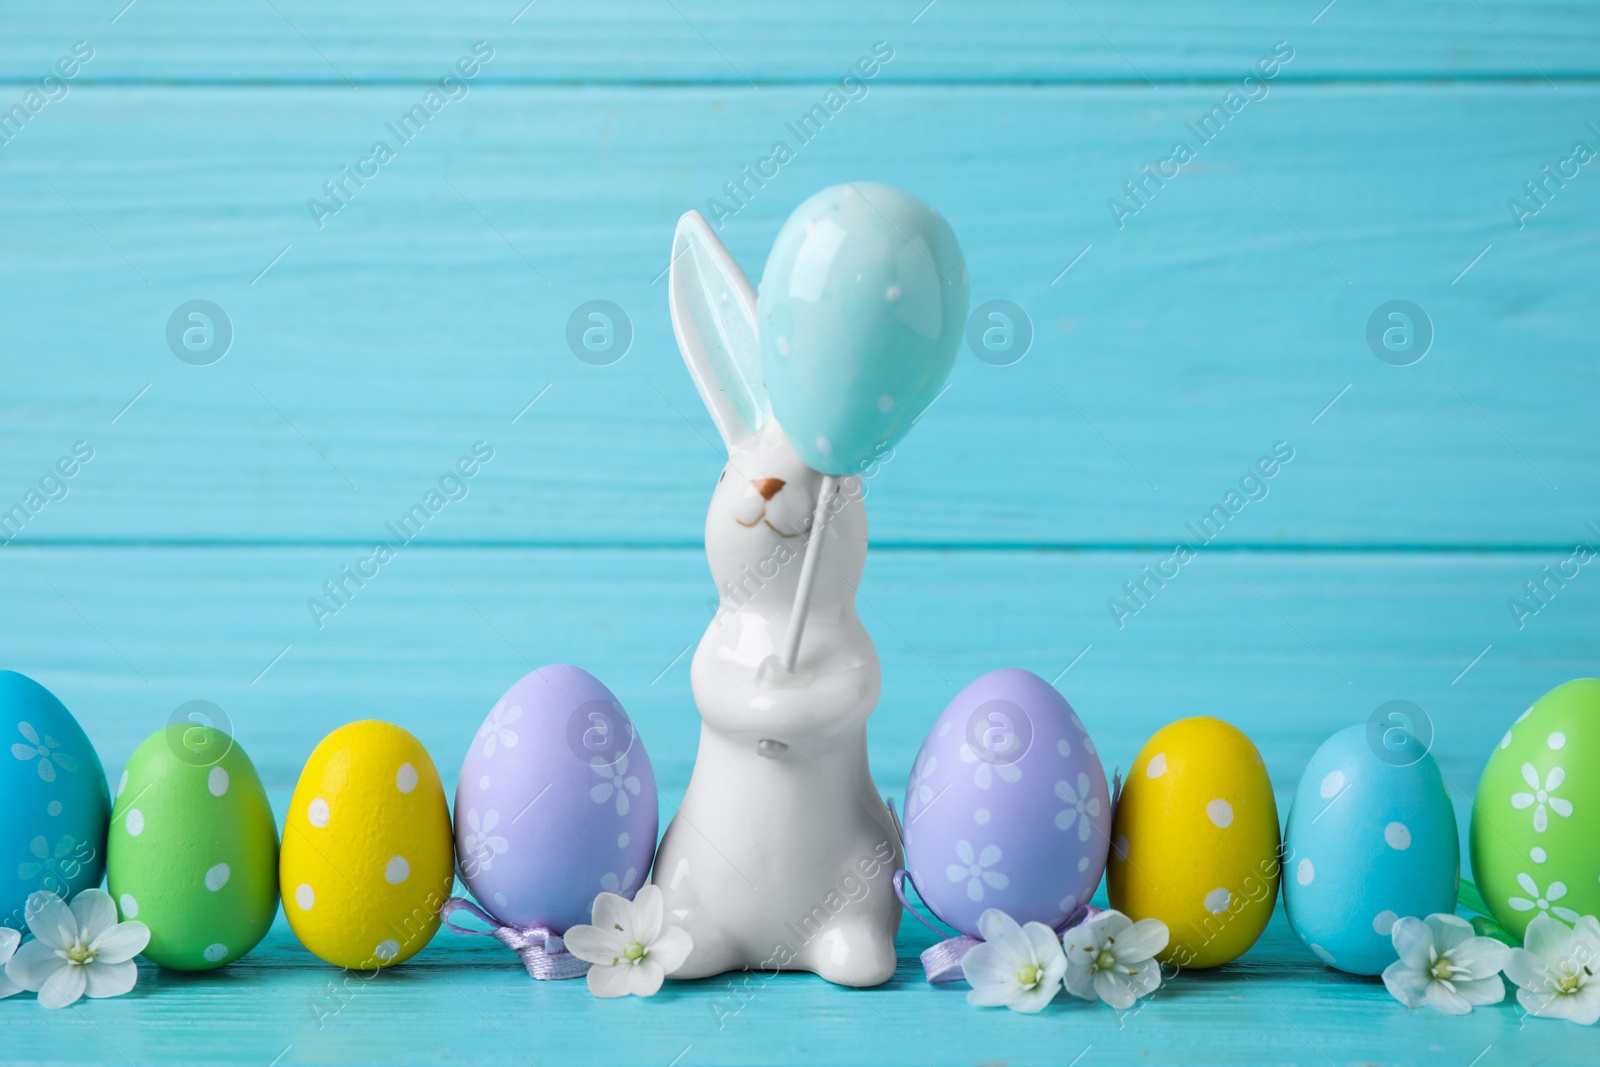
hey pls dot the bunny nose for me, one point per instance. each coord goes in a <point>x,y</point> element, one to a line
<point>767,487</point>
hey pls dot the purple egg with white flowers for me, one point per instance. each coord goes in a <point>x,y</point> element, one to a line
<point>1007,806</point>
<point>556,802</point>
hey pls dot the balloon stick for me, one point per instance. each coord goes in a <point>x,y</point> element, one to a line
<point>808,575</point>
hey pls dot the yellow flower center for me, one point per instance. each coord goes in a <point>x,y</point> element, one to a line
<point>80,953</point>
<point>1028,976</point>
<point>634,952</point>
<point>1105,961</point>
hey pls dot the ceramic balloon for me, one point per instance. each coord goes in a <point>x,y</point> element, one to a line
<point>861,310</point>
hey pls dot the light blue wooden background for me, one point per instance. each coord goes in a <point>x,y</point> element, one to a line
<point>1226,316</point>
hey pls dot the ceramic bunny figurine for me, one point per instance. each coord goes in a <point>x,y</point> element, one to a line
<point>782,855</point>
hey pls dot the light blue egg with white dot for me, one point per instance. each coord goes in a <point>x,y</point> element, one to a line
<point>861,308</point>
<point>1371,839</point>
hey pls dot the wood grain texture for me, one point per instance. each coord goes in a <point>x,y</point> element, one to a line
<point>125,635</point>
<point>652,41</point>
<point>1227,315</point>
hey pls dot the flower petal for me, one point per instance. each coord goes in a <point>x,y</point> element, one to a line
<point>1481,957</point>
<point>1079,980</point>
<point>1141,941</point>
<point>109,979</point>
<point>1042,946</point>
<point>1530,776</point>
<point>614,913</point>
<point>51,921</point>
<point>647,911</point>
<point>998,928</point>
<point>33,965</point>
<point>1490,990</point>
<point>1448,931</point>
<point>1146,978</point>
<point>1447,1000</point>
<point>986,968</point>
<point>1546,939</point>
<point>1412,940</point>
<point>9,940</point>
<point>63,987</point>
<point>594,945</point>
<point>991,995</point>
<point>95,912</point>
<point>1527,969</point>
<point>1406,984</point>
<point>1115,989</point>
<point>671,947</point>
<point>1541,1003</point>
<point>645,981</point>
<point>1034,1000</point>
<point>610,981</point>
<point>122,942</point>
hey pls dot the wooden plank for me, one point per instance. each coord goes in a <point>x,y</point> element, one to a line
<point>635,41</point>
<point>1228,314</point>
<point>1291,646</point>
<point>1354,630</point>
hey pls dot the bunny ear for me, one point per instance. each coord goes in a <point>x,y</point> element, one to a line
<point>714,318</point>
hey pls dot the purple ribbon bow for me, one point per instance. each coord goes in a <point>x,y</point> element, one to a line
<point>540,948</point>
<point>942,962</point>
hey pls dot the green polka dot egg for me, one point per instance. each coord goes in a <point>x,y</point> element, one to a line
<point>1536,819</point>
<point>193,849</point>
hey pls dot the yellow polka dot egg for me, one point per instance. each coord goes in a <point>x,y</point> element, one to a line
<point>367,854</point>
<point>1194,842</point>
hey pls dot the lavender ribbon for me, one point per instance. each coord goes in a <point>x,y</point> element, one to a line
<point>540,948</point>
<point>942,962</point>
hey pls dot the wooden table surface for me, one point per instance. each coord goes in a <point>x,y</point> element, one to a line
<point>375,343</point>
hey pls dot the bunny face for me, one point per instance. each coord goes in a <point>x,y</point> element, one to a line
<point>756,529</point>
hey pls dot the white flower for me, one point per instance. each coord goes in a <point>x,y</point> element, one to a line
<point>480,844</point>
<point>617,781</point>
<point>1545,901</point>
<point>1442,963</point>
<point>45,751</point>
<point>496,730</point>
<point>1113,958</point>
<point>629,947</point>
<point>1542,796</point>
<point>1080,806</point>
<point>1557,970</point>
<point>78,949</point>
<point>1019,967</point>
<point>9,939</point>
<point>971,868</point>
<point>983,775</point>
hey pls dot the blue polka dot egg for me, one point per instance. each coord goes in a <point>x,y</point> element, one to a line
<point>1007,806</point>
<point>1371,839</point>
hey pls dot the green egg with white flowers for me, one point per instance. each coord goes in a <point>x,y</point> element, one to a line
<point>1536,817</point>
<point>193,848</point>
